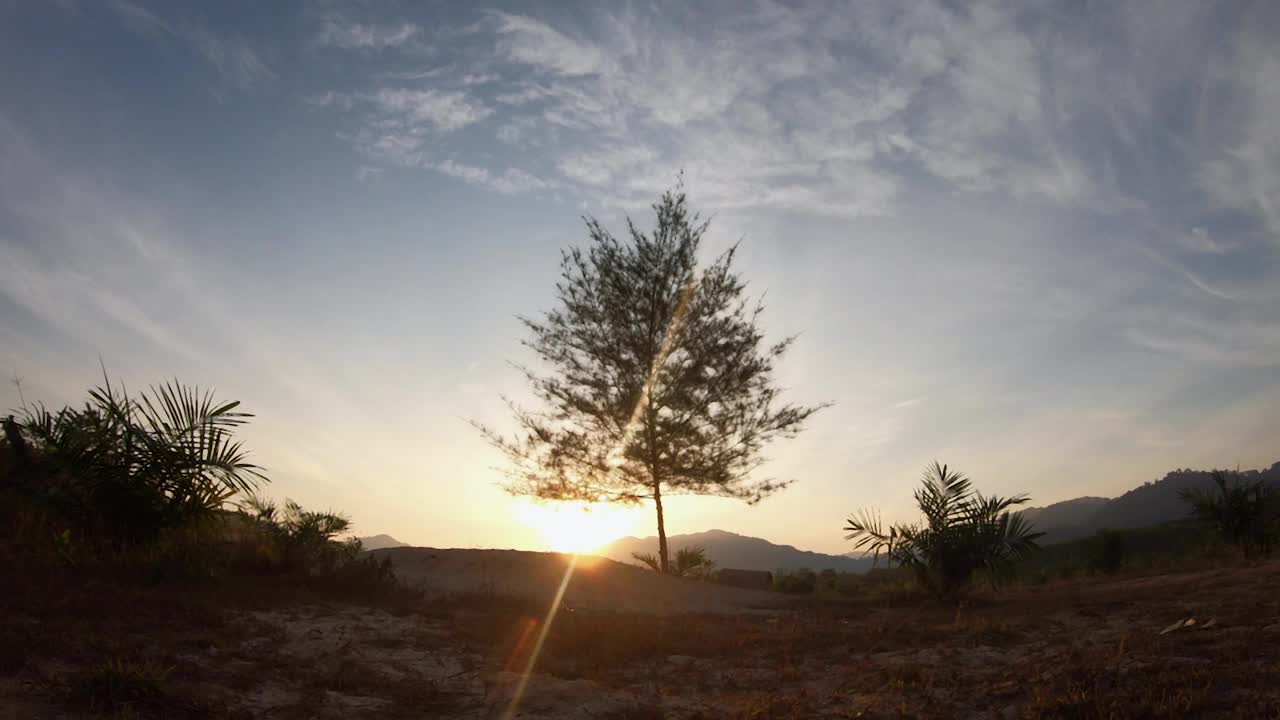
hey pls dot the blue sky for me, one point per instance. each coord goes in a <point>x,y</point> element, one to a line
<point>1037,241</point>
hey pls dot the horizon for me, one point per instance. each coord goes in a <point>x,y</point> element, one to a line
<point>1039,245</point>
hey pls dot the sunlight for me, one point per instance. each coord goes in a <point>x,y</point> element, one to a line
<point>576,527</point>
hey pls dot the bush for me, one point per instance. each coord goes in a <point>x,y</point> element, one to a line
<point>1242,514</point>
<point>829,579</point>
<point>795,582</point>
<point>1107,551</point>
<point>122,469</point>
<point>964,533</point>
<point>690,562</point>
<point>305,541</point>
<point>124,687</point>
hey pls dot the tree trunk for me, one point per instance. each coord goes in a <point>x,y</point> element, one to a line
<point>663,562</point>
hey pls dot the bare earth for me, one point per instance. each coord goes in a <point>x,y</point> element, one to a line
<point>595,584</point>
<point>629,644</point>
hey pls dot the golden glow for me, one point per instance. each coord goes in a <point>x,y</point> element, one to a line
<point>576,527</point>
<point>542,638</point>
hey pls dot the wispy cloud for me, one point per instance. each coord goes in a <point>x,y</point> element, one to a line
<point>237,64</point>
<point>348,35</point>
<point>513,181</point>
<point>532,42</point>
<point>441,110</point>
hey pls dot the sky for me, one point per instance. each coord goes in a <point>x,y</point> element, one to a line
<point>1037,241</point>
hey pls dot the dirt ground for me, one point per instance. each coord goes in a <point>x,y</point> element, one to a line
<point>596,583</point>
<point>1087,648</point>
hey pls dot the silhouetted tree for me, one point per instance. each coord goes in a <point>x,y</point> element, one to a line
<point>964,532</point>
<point>654,376</point>
<point>130,466</point>
<point>1242,513</point>
<point>691,562</point>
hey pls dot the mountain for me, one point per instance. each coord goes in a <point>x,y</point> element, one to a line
<point>1150,504</point>
<point>1064,519</point>
<point>379,542</point>
<point>730,550</point>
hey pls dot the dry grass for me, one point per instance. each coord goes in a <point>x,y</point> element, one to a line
<point>263,647</point>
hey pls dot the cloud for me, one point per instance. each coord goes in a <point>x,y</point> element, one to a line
<point>1246,175</point>
<point>237,64</point>
<point>368,173</point>
<point>442,110</point>
<point>513,181</point>
<point>841,110</point>
<point>532,42</point>
<point>339,33</point>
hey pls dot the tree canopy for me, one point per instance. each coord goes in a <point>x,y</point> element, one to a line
<point>654,377</point>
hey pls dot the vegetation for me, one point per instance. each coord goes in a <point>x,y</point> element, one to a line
<point>1108,551</point>
<point>146,483</point>
<point>690,562</point>
<point>1241,513</point>
<point>964,532</point>
<point>1181,544</point>
<point>122,468</point>
<point>659,380</point>
<point>306,539</point>
<point>795,582</point>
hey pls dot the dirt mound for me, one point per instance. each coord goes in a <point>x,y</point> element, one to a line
<point>594,583</point>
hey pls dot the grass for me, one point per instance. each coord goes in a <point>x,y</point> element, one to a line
<point>1086,648</point>
<point>124,644</point>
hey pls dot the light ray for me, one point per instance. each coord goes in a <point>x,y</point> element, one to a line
<point>664,351</point>
<point>542,637</point>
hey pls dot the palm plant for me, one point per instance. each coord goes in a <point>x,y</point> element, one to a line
<point>964,532</point>
<point>1242,514</point>
<point>306,539</point>
<point>689,562</point>
<point>132,466</point>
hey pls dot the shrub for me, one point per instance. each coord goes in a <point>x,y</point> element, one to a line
<point>305,540</point>
<point>690,562</point>
<point>1107,551</point>
<point>964,533</point>
<point>795,582</point>
<point>124,468</point>
<point>829,579</point>
<point>1241,514</point>
<point>120,686</point>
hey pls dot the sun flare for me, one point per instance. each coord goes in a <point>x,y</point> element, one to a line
<point>576,527</point>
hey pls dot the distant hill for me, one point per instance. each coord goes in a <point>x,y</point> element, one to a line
<point>1150,504</point>
<point>380,542</point>
<point>730,550</point>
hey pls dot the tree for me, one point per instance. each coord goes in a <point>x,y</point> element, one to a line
<point>690,562</point>
<point>655,378</point>
<point>130,466</point>
<point>1244,514</point>
<point>964,532</point>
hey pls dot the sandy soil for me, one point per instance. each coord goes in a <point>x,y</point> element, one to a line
<point>596,583</point>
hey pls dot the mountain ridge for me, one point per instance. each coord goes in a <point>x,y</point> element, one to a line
<point>732,550</point>
<point>380,542</point>
<point>1152,503</point>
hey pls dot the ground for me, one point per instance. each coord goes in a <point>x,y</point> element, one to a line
<point>1083,648</point>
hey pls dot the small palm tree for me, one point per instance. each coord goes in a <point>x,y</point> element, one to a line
<point>964,532</point>
<point>132,466</point>
<point>307,539</point>
<point>1242,514</point>
<point>691,562</point>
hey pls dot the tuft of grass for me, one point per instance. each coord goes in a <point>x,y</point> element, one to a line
<point>121,686</point>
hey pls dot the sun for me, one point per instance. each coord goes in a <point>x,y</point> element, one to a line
<point>575,527</point>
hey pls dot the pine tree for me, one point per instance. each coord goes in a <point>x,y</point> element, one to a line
<point>655,378</point>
